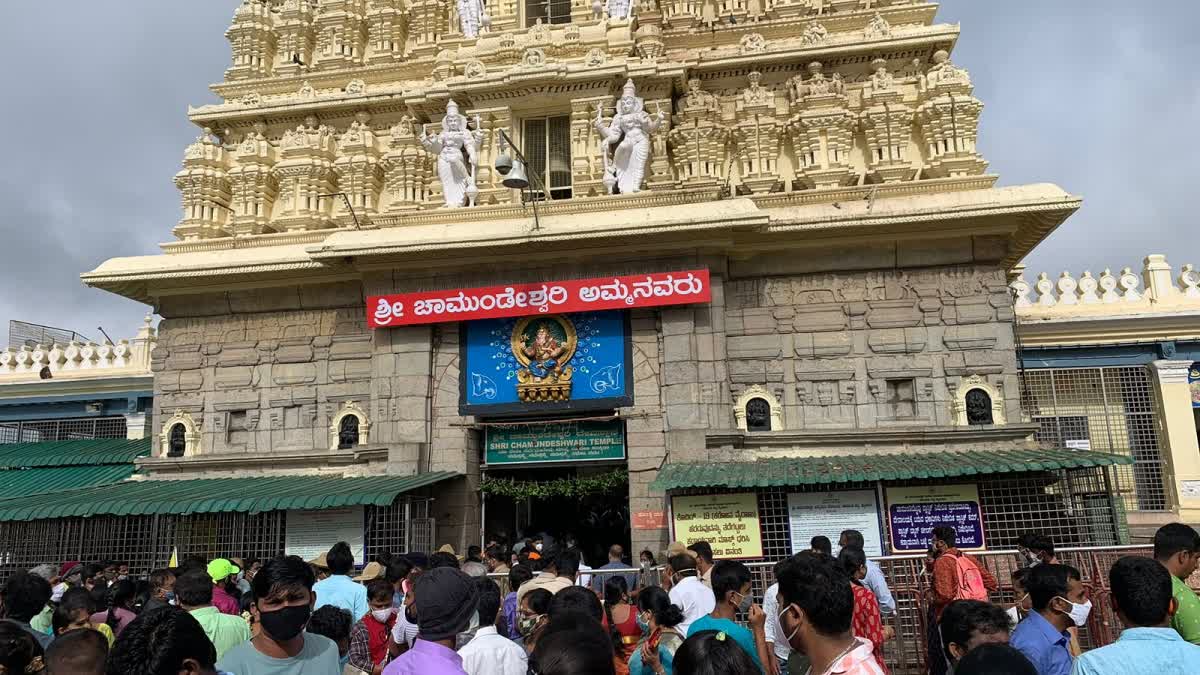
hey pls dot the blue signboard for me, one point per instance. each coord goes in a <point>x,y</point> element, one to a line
<point>546,362</point>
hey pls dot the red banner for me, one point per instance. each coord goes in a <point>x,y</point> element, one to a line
<point>557,297</point>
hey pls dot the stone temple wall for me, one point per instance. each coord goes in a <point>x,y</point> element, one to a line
<point>265,373</point>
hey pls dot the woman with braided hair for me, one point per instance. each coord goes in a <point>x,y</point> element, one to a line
<point>118,609</point>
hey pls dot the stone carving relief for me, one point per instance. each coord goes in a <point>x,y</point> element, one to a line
<point>759,136</point>
<point>753,43</point>
<point>949,120</point>
<point>814,34</point>
<point>698,138</point>
<point>595,57</point>
<point>975,401</point>
<point>629,131</point>
<point>457,151</point>
<point>356,88</point>
<point>337,430</point>
<point>748,408</point>
<point>474,70</point>
<point>878,28</point>
<point>822,129</point>
<point>533,57</point>
<point>306,91</point>
<point>887,123</point>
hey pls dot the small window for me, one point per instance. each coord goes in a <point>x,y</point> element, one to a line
<point>177,443</point>
<point>549,11</point>
<point>548,139</point>
<point>979,407</point>
<point>758,415</point>
<point>348,432</point>
<point>901,398</point>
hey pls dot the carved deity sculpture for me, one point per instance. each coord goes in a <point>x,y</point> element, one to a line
<point>619,9</point>
<point>630,131</point>
<point>756,94</point>
<point>472,17</point>
<point>945,72</point>
<point>881,80</point>
<point>696,99</point>
<point>817,84</point>
<point>457,150</point>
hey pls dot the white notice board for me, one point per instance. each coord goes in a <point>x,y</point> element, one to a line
<point>828,513</point>
<point>311,533</point>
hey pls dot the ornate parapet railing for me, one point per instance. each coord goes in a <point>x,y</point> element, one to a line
<point>79,360</point>
<point>1154,289</point>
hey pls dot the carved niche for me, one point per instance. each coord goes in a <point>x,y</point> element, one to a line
<point>180,436</point>
<point>350,428</point>
<point>757,409</point>
<point>976,402</point>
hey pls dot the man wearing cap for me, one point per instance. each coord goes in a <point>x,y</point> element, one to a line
<point>221,570</point>
<point>445,601</point>
<point>339,589</point>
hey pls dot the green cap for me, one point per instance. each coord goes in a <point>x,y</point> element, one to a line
<point>221,568</point>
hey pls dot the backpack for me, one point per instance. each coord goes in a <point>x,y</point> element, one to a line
<point>970,580</point>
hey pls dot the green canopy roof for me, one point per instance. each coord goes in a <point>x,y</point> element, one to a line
<point>15,483</point>
<point>86,452</point>
<point>875,467</point>
<point>217,495</point>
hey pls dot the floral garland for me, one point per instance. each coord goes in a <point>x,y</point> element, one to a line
<point>561,487</point>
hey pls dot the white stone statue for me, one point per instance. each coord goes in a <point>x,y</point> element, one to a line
<point>630,131</point>
<point>472,16</point>
<point>618,9</point>
<point>457,150</point>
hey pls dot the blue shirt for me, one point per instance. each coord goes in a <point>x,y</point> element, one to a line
<point>1160,651</point>
<point>878,585</point>
<point>1043,645</point>
<point>598,580</point>
<point>740,634</point>
<point>340,590</point>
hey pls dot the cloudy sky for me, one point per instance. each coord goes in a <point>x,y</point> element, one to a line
<point>1099,96</point>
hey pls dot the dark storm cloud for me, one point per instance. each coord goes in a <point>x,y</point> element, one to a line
<point>1099,96</point>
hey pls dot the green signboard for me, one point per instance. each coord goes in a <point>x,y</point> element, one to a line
<point>559,442</point>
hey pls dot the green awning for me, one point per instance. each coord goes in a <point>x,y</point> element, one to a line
<point>218,495</point>
<point>875,467</point>
<point>87,452</point>
<point>16,483</point>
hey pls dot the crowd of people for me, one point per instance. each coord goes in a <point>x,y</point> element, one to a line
<point>539,610</point>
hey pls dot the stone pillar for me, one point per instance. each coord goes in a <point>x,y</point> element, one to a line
<point>644,431</point>
<point>135,426</point>
<point>1181,453</point>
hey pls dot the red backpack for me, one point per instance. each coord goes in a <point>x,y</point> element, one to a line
<point>970,580</point>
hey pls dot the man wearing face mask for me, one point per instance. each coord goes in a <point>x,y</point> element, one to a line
<point>283,603</point>
<point>1059,602</point>
<point>731,588</point>
<point>369,638</point>
<point>162,589</point>
<point>687,593</point>
<point>817,610</point>
<point>446,603</point>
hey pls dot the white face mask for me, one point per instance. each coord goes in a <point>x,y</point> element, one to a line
<point>382,615</point>
<point>1079,613</point>
<point>538,547</point>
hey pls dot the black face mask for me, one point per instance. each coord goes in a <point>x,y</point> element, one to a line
<point>410,615</point>
<point>285,624</point>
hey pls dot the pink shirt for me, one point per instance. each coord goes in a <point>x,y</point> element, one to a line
<point>124,618</point>
<point>225,602</point>
<point>858,661</point>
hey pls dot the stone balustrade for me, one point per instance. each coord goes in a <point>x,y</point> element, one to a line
<point>80,360</point>
<point>1154,288</point>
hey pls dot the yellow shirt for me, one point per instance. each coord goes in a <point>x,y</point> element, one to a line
<point>105,630</point>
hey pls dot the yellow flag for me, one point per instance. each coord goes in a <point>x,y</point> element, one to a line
<point>174,561</point>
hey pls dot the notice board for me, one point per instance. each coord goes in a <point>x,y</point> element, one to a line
<point>913,512</point>
<point>729,523</point>
<point>828,513</point>
<point>311,533</point>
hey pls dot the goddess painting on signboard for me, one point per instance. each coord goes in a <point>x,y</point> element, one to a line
<point>544,355</point>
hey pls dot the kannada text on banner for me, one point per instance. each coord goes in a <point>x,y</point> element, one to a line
<point>913,512</point>
<point>567,442</point>
<point>729,523</point>
<point>554,297</point>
